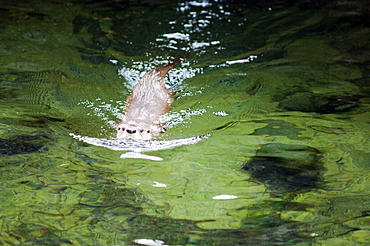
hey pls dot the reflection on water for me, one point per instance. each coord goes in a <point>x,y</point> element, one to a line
<point>283,89</point>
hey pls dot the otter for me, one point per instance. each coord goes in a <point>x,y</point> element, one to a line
<point>150,99</point>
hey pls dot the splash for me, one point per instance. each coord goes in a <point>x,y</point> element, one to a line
<point>174,78</point>
<point>136,147</point>
<point>228,63</point>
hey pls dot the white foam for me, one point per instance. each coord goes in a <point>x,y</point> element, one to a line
<point>136,147</point>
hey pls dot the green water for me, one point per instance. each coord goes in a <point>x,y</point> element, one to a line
<point>283,89</point>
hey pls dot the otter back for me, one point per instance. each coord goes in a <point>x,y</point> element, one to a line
<point>150,99</point>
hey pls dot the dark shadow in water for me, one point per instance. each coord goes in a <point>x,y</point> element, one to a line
<point>22,144</point>
<point>286,168</point>
<point>319,103</point>
<point>279,128</point>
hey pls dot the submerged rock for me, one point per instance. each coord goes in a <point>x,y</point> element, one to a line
<point>319,103</point>
<point>21,144</point>
<point>286,168</point>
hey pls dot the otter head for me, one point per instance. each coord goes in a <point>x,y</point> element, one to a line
<point>137,131</point>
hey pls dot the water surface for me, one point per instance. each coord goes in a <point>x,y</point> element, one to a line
<point>281,87</point>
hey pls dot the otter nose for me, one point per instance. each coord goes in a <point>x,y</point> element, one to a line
<point>130,131</point>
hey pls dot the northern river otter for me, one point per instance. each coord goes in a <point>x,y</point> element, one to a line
<point>150,99</point>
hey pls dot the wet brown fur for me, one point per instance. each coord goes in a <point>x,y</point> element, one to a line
<point>150,99</point>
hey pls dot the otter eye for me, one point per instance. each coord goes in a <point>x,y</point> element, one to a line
<point>141,131</point>
<point>148,131</point>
